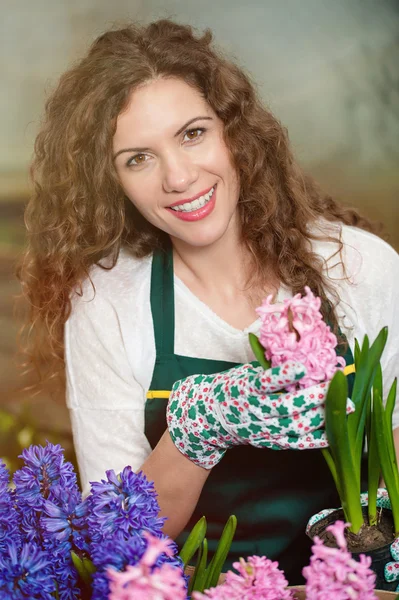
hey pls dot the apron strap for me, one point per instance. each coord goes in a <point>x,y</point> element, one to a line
<point>163,302</point>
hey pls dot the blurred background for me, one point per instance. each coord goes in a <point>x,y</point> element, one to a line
<point>329,71</point>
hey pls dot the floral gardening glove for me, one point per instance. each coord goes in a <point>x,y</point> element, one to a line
<point>207,414</point>
<point>391,570</point>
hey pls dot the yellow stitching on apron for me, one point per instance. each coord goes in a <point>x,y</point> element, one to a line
<point>349,369</point>
<point>152,394</point>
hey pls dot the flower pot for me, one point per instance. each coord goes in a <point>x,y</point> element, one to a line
<point>299,591</point>
<point>379,555</point>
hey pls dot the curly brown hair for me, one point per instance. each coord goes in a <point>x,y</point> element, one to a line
<point>78,213</point>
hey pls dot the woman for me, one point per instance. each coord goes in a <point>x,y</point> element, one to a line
<point>167,205</point>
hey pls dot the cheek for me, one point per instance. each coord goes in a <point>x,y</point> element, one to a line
<point>136,198</point>
<point>219,161</point>
<point>139,193</point>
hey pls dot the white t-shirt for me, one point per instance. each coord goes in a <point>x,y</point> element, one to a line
<point>110,347</point>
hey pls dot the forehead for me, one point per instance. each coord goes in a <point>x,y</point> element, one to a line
<point>160,106</point>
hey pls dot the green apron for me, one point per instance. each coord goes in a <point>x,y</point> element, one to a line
<point>272,493</point>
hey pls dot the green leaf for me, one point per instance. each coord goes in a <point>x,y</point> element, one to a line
<point>366,365</point>
<point>219,558</point>
<point>390,405</point>
<point>194,541</point>
<point>367,360</point>
<point>331,465</point>
<point>89,565</point>
<point>338,439</point>
<point>373,462</point>
<point>197,581</point>
<point>259,351</point>
<point>81,569</point>
<point>383,437</point>
<point>357,352</point>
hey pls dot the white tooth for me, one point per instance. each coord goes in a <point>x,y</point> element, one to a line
<point>195,204</point>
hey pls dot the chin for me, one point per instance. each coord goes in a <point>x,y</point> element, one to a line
<point>204,239</point>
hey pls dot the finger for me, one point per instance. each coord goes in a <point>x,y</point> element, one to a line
<point>318,517</point>
<point>288,404</point>
<point>364,498</point>
<point>314,440</point>
<point>298,424</point>
<point>350,406</point>
<point>383,500</point>
<point>391,571</point>
<point>278,378</point>
<point>293,404</point>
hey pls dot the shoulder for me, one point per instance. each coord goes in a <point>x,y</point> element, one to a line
<point>113,284</point>
<point>364,271</point>
<point>357,255</point>
<point>368,252</point>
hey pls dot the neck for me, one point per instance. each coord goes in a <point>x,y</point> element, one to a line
<point>223,265</point>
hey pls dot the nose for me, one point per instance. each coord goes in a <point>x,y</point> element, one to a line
<point>179,173</point>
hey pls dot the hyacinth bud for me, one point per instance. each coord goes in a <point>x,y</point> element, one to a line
<point>333,572</point>
<point>294,330</point>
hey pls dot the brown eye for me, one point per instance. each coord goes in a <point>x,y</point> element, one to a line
<point>193,134</point>
<point>137,159</point>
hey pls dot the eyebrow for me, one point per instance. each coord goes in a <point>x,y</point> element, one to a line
<point>176,134</point>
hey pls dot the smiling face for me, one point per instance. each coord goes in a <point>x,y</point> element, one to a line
<point>173,163</point>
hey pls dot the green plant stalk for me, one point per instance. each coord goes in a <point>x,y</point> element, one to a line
<point>390,405</point>
<point>330,462</point>
<point>366,365</point>
<point>197,580</point>
<point>222,550</point>
<point>194,541</point>
<point>355,422</point>
<point>383,437</point>
<point>373,462</point>
<point>259,351</point>
<point>373,466</point>
<point>341,451</point>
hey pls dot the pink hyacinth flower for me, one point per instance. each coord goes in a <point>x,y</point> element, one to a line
<point>294,330</point>
<point>333,573</point>
<point>143,582</point>
<point>258,578</point>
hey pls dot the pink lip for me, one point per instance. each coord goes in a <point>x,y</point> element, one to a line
<point>195,215</point>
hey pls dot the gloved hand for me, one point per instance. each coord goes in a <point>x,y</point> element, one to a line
<point>391,570</point>
<point>207,414</point>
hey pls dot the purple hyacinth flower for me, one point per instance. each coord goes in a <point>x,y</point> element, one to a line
<point>64,518</point>
<point>4,476</point>
<point>44,468</point>
<point>9,518</point>
<point>26,573</point>
<point>116,554</point>
<point>122,506</point>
